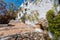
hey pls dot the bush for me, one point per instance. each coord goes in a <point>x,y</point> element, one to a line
<point>4,19</point>
<point>54,23</point>
<point>6,16</point>
<point>50,15</point>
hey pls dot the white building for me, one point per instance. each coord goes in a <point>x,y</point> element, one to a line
<point>41,6</point>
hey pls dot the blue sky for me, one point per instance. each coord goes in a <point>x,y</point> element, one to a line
<point>17,3</point>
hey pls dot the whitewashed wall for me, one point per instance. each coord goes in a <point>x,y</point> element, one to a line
<point>42,7</point>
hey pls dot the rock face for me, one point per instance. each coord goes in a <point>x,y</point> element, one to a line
<point>27,36</point>
<point>21,31</point>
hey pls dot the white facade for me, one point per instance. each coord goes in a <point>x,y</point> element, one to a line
<point>42,7</point>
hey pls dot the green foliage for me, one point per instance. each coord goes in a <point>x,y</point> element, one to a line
<point>50,15</point>
<point>54,23</point>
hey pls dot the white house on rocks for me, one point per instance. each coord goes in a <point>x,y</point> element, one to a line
<point>39,6</point>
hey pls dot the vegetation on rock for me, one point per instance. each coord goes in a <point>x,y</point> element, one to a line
<point>6,16</point>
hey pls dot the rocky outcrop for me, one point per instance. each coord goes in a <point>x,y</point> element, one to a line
<point>27,36</point>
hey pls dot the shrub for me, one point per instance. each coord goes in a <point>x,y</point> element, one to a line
<point>54,23</point>
<point>6,16</point>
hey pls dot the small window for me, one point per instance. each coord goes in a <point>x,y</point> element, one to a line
<point>25,9</point>
<point>19,14</point>
<point>26,3</point>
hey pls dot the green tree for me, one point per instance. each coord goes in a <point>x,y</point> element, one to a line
<point>54,23</point>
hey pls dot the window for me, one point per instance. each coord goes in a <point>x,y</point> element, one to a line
<point>27,4</point>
